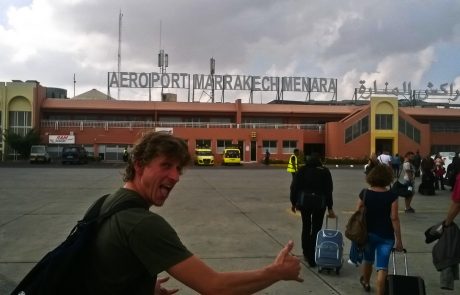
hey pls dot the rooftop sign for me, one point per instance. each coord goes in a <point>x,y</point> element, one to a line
<point>445,91</point>
<point>220,82</point>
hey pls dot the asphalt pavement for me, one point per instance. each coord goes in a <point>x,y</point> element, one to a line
<point>234,218</point>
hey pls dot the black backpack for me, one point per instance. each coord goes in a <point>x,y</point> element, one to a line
<point>61,270</point>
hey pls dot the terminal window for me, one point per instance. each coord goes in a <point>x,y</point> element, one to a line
<point>203,143</point>
<point>384,121</point>
<point>222,144</point>
<point>289,146</point>
<point>269,145</point>
<point>20,122</point>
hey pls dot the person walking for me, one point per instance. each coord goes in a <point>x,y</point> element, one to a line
<point>125,154</point>
<point>371,163</point>
<point>454,208</point>
<point>384,158</point>
<point>135,245</point>
<point>396,165</point>
<point>313,178</point>
<point>383,226</point>
<point>426,187</point>
<point>267,157</point>
<point>417,159</point>
<point>409,181</point>
<point>293,164</point>
<point>452,170</point>
<point>439,171</point>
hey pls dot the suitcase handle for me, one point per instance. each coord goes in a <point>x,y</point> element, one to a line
<point>393,254</point>
<point>336,222</point>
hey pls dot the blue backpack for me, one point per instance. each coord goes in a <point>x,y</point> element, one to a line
<point>62,270</point>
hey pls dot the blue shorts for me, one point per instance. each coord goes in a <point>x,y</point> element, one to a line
<point>379,249</point>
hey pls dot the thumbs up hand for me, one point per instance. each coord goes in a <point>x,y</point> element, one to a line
<point>287,265</point>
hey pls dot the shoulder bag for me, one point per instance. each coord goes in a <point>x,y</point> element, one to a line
<point>356,229</point>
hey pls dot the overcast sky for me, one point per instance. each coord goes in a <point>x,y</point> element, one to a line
<point>393,41</point>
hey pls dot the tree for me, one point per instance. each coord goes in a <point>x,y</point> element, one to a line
<point>22,144</point>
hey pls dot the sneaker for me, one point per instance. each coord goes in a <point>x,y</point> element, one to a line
<point>409,210</point>
<point>353,263</point>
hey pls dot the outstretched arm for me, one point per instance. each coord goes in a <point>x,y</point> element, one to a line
<point>194,273</point>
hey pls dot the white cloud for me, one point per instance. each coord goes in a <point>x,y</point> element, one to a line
<point>402,67</point>
<point>49,40</point>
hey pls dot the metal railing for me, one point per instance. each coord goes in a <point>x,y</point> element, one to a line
<point>82,124</point>
<point>446,129</point>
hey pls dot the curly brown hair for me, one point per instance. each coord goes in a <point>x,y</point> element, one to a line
<point>380,176</point>
<point>156,144</point>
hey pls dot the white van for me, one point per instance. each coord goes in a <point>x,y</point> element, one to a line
<point>39,153</point>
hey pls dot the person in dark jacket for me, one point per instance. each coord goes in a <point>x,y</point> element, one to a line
<point>312,178</point>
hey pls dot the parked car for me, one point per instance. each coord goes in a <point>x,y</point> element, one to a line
<point>204,157</point>
<point>39,153</point>
<point>74,154</point>
<point>231,156</point>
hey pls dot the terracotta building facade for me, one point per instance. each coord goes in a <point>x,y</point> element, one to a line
<point>337,129</point>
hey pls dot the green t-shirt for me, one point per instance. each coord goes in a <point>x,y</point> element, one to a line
<point>131,248</point>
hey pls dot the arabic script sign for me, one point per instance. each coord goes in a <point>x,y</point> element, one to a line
<point>445,91</point>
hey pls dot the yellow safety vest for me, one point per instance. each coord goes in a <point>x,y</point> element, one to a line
<point>292,165</point>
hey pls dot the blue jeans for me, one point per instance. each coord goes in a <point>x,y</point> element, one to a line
<point>379,249</point>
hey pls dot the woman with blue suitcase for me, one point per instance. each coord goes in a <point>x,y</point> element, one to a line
<point>383,226</point>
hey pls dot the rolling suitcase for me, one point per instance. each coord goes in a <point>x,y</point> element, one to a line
<point>403,284</point>
<point>329,248</point>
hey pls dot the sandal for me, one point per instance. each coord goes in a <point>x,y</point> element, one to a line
<point>365,285</point>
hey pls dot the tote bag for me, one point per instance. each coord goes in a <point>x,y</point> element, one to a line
<point>356,229</point>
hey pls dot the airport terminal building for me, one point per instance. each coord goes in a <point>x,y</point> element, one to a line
<point>353,128</point>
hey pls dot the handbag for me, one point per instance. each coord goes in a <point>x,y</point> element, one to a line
<point>401,189</point>
<point>309,200</point>
<point>356,229</point>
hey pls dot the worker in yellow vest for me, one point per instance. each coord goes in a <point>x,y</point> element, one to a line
<point>293,165</point>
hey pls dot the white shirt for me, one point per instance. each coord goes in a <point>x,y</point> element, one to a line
<point>384,159</point>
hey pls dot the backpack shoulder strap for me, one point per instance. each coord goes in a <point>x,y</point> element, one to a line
<point>122,206</point>
<point>93,211</point>
<point>93,214</point>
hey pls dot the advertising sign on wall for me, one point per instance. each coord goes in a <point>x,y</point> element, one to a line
<point>62,139</point>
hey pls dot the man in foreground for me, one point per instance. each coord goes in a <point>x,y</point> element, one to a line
<point>135,245</point>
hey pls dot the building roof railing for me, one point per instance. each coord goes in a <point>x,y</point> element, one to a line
<point>81,124</point>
